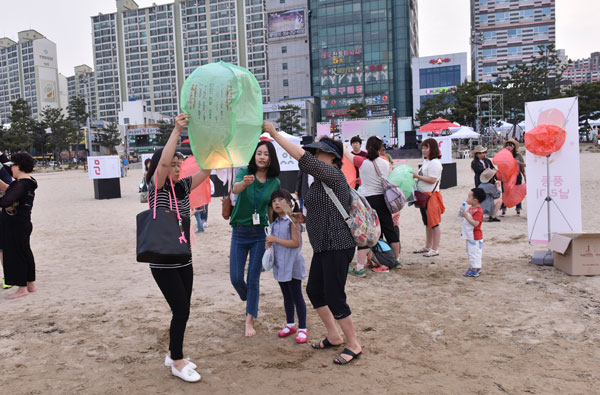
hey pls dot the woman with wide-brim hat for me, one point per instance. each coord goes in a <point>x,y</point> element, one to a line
<point>330,237</point>
<point>480,163</point>
<point>513,146</point>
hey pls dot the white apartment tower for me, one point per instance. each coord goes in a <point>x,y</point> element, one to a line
<point>28,70</point>
<point>146,53</point>
<point>83,84</point>
<point>508,32</point>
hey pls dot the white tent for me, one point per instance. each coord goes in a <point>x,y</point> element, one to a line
<point>464,132</point>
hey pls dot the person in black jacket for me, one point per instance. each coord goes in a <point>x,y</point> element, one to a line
<point>480,163</point>
<point>15,221</point>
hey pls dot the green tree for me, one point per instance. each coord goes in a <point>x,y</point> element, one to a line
<point>40,139</point>
<point>589,100</point>
<point>164,132</point>
<point>439,105</point>
<point>110,137</point>
<point>537,80</point>
<point>357,110</point>
<point>19,136</point>
<point>289,119</point>
<point>76,110</point>
<point>464,106</point>
<point>61,130</point>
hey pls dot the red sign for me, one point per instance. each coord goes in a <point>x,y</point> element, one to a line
<point>439,60</point>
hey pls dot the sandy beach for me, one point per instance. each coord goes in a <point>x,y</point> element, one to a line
<point>99,324</point>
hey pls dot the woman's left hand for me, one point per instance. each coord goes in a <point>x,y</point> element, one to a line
<point>269,128</point>
<point>271,239</point>
<point>415,174</point>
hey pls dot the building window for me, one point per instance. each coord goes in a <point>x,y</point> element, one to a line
<point>284,49</point>
<point>439,76</point>
<point>284,66</point>
<point>281,1</point>
<point>285,83</point>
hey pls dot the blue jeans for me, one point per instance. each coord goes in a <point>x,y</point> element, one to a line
<point>246,239</point>
<point>198,216</point>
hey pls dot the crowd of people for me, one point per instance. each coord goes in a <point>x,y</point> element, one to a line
<point>268,219</point>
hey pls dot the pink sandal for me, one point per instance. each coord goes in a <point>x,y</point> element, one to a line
<point>285,332</point>
<point>302,339</point>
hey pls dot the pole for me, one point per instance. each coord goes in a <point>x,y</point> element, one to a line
<point>87,121</point>
<point>548,198</point>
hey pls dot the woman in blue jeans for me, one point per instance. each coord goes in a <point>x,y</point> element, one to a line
<point>254,186</point>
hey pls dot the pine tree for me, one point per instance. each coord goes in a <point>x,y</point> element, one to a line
<point>289,119</point>
<point>110,137</point>
<point>357,110</point>
<point>164,132</point>
<point>19,136</point>
<point>61,130</point>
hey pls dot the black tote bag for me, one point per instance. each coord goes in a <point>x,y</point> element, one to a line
<point>162,235</point>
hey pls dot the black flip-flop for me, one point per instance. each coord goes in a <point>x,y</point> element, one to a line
<point>326,344</point>
<point>339,360</point>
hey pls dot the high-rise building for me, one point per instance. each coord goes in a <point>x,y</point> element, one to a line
<point>83,84</point>
<point>432,75</point>
<point>28,70</point>
<point>361,52</point>
<point>508,32</point>
<point>146,53</point>
<point>289,51</point>
<point>583,70</point>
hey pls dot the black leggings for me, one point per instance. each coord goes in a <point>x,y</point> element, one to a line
<point>292,296</point>
<point>176,286</point>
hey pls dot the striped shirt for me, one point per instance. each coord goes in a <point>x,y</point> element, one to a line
<point>183,188</point>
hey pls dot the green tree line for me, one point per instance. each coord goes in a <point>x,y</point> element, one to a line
<point>53,132</point>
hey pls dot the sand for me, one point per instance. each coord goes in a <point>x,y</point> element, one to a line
<point>99,324</point>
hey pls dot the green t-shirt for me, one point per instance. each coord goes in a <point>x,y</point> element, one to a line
<point>244,205</point>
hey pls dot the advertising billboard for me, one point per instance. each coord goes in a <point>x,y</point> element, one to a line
<point>286,23</point>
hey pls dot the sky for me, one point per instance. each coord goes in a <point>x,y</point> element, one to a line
<point>444,26</point>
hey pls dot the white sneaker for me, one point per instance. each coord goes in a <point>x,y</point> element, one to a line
<point>204,224</point>
<point>187,373</point>
<point>169,362</point>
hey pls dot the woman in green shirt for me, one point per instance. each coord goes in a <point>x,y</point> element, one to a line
<point>254,186</point>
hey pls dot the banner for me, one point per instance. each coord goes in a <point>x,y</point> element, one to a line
<point>564,180</point>
<point>104,167</point>
<point>445,144</point>
<point>365,128</point>
<point>323,129</point>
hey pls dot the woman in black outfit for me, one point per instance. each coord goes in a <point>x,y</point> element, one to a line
<point>175,280</point>
<point>18,262</point>
<point>480,163</point>
<point>330,238</point>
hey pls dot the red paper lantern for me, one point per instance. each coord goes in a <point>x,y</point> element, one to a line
<point>349,171</point>
<point>506,164</point>
<point>544,140</point>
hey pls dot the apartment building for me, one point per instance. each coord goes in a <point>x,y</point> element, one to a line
<point>28,70</point>
<point>146,53</point>
<point>508,32</point>
<point>583,70</point>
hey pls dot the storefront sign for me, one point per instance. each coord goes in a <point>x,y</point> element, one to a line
<point>439,60</point>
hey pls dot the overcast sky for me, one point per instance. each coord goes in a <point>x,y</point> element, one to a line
<point>444,26</point>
